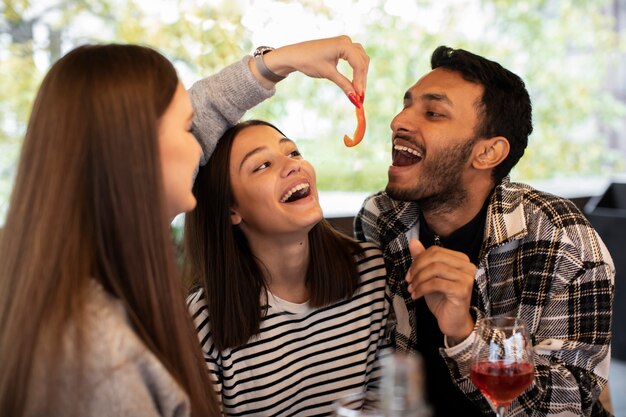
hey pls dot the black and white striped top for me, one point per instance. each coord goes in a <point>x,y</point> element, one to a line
<point>304,358</point>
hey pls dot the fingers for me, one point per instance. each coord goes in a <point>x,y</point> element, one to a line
<point>439,270</point>
<point>415,247</point>
<point>318,59</point>
<point>427,259</point>
<point>454,283</point>
<point>342,81</point>
<point>342,47</point>
<point>452,290</point>
<point>358,59</point>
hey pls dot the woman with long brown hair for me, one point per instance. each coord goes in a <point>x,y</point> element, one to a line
<point>291,314</point>
<point>91,306</point>
<point>92,313</point>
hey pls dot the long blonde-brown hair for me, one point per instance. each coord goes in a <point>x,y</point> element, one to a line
<point>88,203</point>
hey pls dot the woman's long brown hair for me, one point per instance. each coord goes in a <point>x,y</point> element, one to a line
<point>219,259</point>
<point>88,203</point>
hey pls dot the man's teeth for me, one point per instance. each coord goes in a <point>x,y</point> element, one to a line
<point>411,151</point>
<point>293,190</point>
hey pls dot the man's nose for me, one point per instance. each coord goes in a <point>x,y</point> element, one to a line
<point>398,122</point>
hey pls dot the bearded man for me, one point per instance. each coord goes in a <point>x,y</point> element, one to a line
<point>462,242</point>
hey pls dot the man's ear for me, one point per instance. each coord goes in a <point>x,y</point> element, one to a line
<point>235,217</point>
<point>489,153</point>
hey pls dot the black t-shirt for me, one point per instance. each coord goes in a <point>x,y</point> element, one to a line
<point>444,397</point>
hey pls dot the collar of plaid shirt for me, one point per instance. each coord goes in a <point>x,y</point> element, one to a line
<point>542,262</point>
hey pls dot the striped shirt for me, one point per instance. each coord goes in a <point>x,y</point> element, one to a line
<point>303,358</point>
<point>540,261</point>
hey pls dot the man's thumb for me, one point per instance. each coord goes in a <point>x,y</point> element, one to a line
<point>416,247</point>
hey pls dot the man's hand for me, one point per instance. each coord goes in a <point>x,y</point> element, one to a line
<point>445,279</point>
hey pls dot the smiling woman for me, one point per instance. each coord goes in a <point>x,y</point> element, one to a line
<point>279,293</point>
<point>274,189</point>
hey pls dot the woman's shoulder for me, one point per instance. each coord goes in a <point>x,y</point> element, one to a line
<point>199,311</point>
<point>369,247</point>
<point>371,265</point>
<point>107,330</point>
<point>112,342</point>
<point>104,356</point>
<point>369,254</point>
<point>197,303</point>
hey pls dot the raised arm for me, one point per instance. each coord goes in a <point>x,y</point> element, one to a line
<point>318,59</point>
<point>220,100</point>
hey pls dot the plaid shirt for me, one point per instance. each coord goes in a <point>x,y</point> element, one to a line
<point>540,261</point>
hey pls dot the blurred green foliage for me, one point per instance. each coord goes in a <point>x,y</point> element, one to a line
<point>563,50</point>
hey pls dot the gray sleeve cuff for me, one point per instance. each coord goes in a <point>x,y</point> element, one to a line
<point>219,101</point>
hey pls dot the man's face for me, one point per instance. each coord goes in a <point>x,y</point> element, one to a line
<point>433,137</point>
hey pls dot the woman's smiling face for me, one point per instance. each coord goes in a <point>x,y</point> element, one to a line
<point>273,186</point>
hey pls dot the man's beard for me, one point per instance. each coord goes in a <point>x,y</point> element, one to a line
<point>440,187</point>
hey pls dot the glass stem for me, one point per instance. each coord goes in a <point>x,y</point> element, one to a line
<point>501,410</point>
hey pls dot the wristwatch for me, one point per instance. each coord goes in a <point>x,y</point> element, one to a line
<point>262,50</point>
<point>262,68</point>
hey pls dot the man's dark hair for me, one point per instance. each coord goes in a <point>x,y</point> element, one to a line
<point>505,108</point>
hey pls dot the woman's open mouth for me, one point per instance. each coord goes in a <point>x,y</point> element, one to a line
<point>296,193</point>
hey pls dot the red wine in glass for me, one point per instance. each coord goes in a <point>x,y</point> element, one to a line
<point>500,381</point>
<point>502,360</point>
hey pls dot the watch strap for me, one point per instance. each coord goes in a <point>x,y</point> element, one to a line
<point>264,70</point>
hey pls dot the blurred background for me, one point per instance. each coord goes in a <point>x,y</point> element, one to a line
<point>570,53</point>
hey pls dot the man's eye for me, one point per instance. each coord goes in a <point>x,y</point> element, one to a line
<point>262,166</point>
<point>433,114</point>
<point>295,154</point>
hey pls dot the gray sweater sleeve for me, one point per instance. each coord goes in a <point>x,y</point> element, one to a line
<point>112,373</point>
<point>220,100</point>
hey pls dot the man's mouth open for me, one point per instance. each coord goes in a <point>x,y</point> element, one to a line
<point>404,156</point>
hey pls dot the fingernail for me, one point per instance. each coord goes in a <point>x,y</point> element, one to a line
<point>362,96</point>
<point>354,99</point>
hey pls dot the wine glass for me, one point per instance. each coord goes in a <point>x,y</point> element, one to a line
<point>502,362</point>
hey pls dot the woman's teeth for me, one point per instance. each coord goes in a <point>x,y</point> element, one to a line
<point>304,188</point>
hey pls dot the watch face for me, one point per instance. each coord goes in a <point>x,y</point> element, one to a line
<point>261,50</point>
